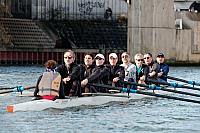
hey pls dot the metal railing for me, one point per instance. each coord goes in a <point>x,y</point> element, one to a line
<point>67,9</point>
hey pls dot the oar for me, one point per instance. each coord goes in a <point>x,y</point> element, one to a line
<point>8,88</point>
<point>175,85</point>
<point>103,94</point>
<point>183,80</point>
<point>17,89</point>
<point>163,88</point>
<point>145,93</point>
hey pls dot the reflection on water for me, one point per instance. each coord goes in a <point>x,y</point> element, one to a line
<point>141,116</point>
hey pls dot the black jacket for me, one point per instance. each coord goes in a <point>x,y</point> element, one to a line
<point>73,86</point>
<point>116,71</point>
<point>73,72</point>
<point>85,71</point>
<point>100,74</point>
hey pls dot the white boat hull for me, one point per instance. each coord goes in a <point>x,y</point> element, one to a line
<point>39,105</point>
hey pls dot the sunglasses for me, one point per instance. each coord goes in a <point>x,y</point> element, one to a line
<point>99,58</point>
<point>160,57</point>
<point>147,58</point>
<point>125,56</point>
<point>113,58</point>
<point>68,57</point>
<point>139,59</point>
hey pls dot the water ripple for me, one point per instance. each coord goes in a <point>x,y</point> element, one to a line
<point>150,115</point>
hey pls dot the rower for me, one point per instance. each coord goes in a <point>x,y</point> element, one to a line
<point>100,74</point>
<point>152,67</point>
<point>130,69</point>
<point>163,69</point>
<point>141,68</point>
<point>70,74</point>
<point>86,70</point>
<point>117,72</point>
<point>48,84</point>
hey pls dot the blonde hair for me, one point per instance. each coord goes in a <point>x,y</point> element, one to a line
<point>139,55</point>
<point>126,53</point>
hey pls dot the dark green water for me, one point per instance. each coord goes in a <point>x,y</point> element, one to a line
<point>141,116</point>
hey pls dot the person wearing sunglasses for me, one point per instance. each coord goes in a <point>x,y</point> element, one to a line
<point>70,74</point>
<point>141,69</point>
<point>117,72</point>
<point>86,70</point>
<point>152,67</point>
<point>163,69</point>
<point>129,68</point>
<point>100,75</point>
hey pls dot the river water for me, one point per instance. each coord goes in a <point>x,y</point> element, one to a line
<point>155,115</point>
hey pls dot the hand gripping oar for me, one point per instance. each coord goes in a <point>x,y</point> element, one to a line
<point>17,89</point>
<point>174,84</point>
<point>145,93</point>
<point>183,80</point>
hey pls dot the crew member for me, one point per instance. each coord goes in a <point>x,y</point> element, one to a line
<point>130,68</point>
<point>49,83</point>
<point>163,69</point>
<point>86,70</point>
<point>100,75</point>
<point>70,74</point>
<point>152,67</point>
<point>116,72</point>
<point>141,69</point>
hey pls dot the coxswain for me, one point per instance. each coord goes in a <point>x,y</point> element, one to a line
<point>49,83</point>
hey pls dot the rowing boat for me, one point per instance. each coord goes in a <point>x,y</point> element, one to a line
<point>93,99</point>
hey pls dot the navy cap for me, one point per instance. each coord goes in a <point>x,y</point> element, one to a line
<point>160,55</point>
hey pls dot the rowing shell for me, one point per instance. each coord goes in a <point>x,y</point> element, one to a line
<point>95,99</point>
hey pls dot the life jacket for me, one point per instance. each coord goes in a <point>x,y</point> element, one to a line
<point>49,84</point>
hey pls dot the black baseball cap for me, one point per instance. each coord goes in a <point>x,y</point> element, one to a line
<point>160,55</point>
